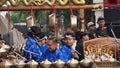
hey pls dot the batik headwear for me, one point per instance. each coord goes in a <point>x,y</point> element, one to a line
<point>70,35</point>
<point>40,36</point>
<point>34,30</point>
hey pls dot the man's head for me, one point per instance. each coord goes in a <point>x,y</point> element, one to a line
<point>41,38</point>
<point>84,36</point>
<point>34,30</point>
<point>52,44</point>
<point>101,22</point>
<point>70,38</point>
<point>91,26</point>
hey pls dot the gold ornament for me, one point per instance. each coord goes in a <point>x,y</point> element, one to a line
<point>39,2</point>
<point>27,2</point>
<point>42,2</point>
<point>2,2</point>
<point>50,2</point>
<point>63,2</point>
<point>78,2</point>
<point>15,2</point>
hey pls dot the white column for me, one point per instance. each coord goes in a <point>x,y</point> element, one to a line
<point>98,12</point>
<point>3,13</point>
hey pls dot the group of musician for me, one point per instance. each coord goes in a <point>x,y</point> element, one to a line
<point>40,47</point>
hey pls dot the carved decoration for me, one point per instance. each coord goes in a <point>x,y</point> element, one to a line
<point>100,46</point>
<point>41,2</point>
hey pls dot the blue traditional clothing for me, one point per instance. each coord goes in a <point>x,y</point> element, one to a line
<point>43,47</point>
<point>36,53</point>
<point>53,56</point>
<point>67,53</point>
<point>30,42</point>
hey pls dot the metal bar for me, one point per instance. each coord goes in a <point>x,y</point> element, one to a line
<point>28,8</point>
<point>19,55</point>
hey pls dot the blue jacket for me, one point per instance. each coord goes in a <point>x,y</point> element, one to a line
<point>53,56</point>
<point>36,55</point>
<point>30,42</point>
<point>67,53</point>
<point>44,47</point>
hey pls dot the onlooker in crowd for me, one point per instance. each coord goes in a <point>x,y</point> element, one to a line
<point>91,30</point>
<point>102,29</point>
<point>69,49</point>
<point>52,54</point>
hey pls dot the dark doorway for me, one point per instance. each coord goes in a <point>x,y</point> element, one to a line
<point>112,18</point>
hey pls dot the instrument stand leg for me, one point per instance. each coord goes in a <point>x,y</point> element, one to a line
<point>115,44</point>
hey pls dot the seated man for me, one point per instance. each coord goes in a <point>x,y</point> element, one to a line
<point>68,50</point>
<point>31,40</point>
<point>52,53</point>
<point>35,51</point>
<point>43,44</point>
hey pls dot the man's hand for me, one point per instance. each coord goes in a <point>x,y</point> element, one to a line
<point>75,55</point>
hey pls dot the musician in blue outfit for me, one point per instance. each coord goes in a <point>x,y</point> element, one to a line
<point>36,51</point>
<point>44,45</point>
<point>52,54</point>
<point>68,50</point>
<point>31,40</point>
